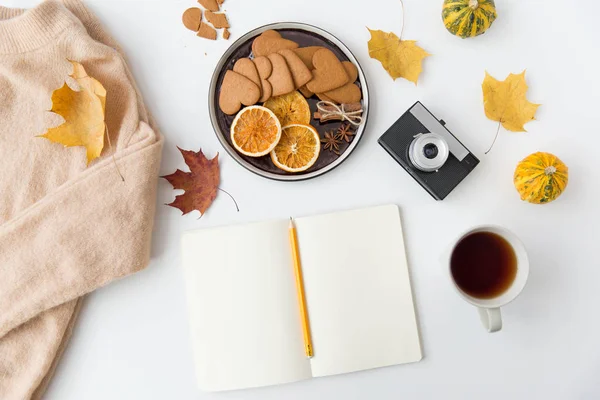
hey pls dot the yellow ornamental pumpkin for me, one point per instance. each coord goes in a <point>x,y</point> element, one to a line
<point>468,18</point>
<point>540,178</point>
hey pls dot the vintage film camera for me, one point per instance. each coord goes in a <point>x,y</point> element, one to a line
<point>428,151</point>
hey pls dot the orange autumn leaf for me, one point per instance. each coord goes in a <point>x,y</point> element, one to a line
<point>200,184</point>
<point>83,111</point>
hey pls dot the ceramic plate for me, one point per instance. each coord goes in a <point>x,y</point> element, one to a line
<point>305,35</point>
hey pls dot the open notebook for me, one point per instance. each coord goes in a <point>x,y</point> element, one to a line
<point>243,304</point>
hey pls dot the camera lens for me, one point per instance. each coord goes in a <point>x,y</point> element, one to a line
<point>430,151</point>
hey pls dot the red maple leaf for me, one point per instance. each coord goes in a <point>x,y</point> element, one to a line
<point>200,184</point>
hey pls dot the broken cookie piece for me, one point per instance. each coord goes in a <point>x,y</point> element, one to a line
<point>210,5</point>
<point>191,18</point>
<point>206,31</point>
<point>218,20</point>
<point>226,34</point>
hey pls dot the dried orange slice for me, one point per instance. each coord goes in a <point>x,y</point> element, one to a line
<point>291,108</point>
<point>298,148</point>
<point>255,131</point>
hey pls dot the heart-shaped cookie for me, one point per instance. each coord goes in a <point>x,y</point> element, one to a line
<point>271,33</point>
<point>329,72</point>
<point>281,77</point>
<point>236,90</point>
<point>306,54</point>
<point>351,70</point>
<point>265,45</point>
<point>305,92</point>
<point>350,92</point>
<point>264,68</point>
<point>324,97</point>
<point>245,66</point>
<point>300,73</point>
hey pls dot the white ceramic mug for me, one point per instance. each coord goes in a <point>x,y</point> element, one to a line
<point>489,309</point>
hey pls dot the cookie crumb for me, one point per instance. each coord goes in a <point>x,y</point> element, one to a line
<point>226,34</point>
<point>206,31</point>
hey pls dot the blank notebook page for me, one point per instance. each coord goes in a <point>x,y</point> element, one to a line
<point>358,290</point>
<point>243,306</point>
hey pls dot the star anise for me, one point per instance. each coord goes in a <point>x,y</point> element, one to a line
<point>331,142</point>
<point>345,133</point>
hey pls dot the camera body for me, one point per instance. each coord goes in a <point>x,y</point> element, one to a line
<point>428,151</point>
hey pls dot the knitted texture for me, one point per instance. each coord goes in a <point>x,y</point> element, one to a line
<point>66,228</point>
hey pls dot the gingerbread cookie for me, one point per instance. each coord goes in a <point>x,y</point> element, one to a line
<point>191,18</point>
<point>351,70</point>
<point>300,73</point>
<point>245,66</point>
<point>306,54</point>
<point>236,90</point>
<point>265,45</point>
<point>305,92</point>
<point>206,31</point>
<point>210,5</point>
<point>264,68</point>
<point>271,33</point>
<point>329,72</point>
<point>324,97</point>
<point>218,20</point>
<point>350,92</point>
<point>281,78</point>
<point>226,34</point>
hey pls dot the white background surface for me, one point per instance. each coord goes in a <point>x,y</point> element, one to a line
<point>131,340</point>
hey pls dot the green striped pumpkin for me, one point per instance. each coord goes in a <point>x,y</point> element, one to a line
<point>541,177</point>
<point>468,18</point>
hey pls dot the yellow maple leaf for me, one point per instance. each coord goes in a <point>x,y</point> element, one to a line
<point>400,58</point>
<point>506,101</point>
<point>83,112</point>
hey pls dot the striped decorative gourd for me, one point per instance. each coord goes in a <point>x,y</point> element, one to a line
<point>468,18</point>
<point>540,178</point>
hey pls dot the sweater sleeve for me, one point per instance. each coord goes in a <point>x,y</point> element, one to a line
<point>86,233</point>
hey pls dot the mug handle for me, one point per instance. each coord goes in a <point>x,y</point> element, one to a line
<point>491,318</point>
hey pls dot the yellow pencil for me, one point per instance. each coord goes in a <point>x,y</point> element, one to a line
<point>300,288</point>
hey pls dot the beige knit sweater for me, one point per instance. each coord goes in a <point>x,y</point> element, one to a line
<point>65,228</point>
